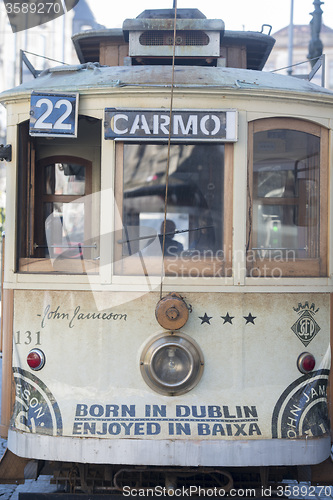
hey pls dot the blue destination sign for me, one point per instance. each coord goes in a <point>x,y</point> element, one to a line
<point>154,125</point>
<point>53,114</point>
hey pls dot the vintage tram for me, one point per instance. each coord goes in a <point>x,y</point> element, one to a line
<point>167,291</point>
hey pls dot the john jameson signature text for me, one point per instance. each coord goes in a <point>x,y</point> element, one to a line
<point>77,315</point>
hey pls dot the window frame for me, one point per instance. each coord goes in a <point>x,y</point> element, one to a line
<point>205,267</point>
<point>300,267</point>
<point>35,262</point>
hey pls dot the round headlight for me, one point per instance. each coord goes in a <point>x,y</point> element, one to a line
<point>172,364</point>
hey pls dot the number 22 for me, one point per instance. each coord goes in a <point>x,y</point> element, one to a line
<point>59,123</point>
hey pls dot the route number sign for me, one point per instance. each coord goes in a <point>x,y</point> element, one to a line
<point>53,114</point>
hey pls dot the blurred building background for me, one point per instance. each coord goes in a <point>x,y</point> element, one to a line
<point>44,46</point>
<point>301,66</point>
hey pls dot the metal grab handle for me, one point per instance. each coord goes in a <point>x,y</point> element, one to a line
<point>279,248</point>
<point>74,245</point>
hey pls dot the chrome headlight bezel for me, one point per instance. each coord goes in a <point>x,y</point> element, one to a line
<point>187,349</point>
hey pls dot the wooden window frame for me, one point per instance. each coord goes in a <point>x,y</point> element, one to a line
<point>206,267</point>
<point>300,267</point>
<point>35,262</point>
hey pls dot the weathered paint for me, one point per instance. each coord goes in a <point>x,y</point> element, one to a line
<point>91,386</point>
<point>86,76</point>
<point>93,354</point>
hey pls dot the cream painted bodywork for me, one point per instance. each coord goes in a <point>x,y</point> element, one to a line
<point>92,370</point>
<point>95,362</point>
<point>185,453</point>
<point>239,90</point>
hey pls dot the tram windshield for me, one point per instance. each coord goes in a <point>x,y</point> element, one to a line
<point>194,204</point>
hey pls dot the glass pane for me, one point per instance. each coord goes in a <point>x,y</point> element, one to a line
<point>195,199</point>
<point>65,178</point>
<point>286,194</point>
<point>64,229</point>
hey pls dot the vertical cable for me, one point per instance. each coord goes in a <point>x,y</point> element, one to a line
<point>169,143</point>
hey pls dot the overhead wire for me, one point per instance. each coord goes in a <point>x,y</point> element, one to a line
<point>169,144</point>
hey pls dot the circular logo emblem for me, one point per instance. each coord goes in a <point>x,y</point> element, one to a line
<point>302,408</point>
<point>35,409</point>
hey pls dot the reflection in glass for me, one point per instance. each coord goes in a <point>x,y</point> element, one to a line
<point>195,198</point>
<point>171,365</point>
<point>64,228</point>
<point>64,184</point>
<point>286,194</point>
<point>64,178</point>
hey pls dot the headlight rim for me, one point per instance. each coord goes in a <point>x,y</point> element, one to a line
<point>181,341</point>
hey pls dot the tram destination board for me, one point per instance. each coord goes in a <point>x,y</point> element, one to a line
<point>181,125</point>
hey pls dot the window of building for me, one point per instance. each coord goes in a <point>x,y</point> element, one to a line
<point>287,199</point>
<point>197,229</point>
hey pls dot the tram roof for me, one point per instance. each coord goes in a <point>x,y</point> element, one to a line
<point>93,78</point>
<point>155,26</point>
<point>258,45</point>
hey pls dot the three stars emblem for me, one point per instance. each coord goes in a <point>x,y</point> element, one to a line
<point>249,319</point>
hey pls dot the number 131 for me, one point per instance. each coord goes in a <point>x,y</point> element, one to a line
<point>27,338</point>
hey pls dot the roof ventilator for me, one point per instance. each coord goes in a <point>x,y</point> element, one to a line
<point>151,37</point>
